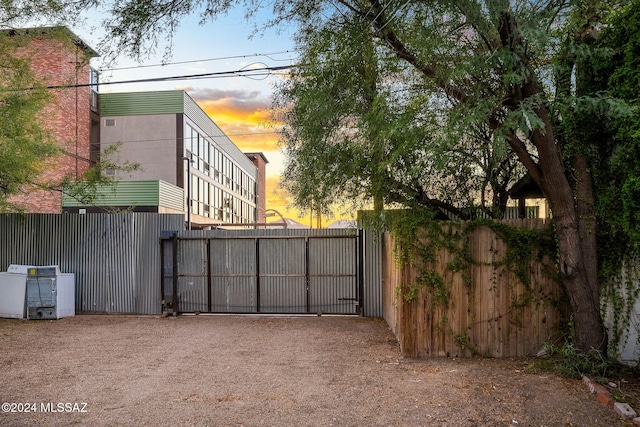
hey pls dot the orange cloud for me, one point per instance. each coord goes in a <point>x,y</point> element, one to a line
<point>243,115</point>
<point>249,130</point>
<point>278,199</point>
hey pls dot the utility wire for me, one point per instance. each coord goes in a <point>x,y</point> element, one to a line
<point>236,73</point>
<point>268,55</point>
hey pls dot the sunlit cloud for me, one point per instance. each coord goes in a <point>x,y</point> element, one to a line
<point>243,115</point>
<point>278,199</point>
<point>252,99</point>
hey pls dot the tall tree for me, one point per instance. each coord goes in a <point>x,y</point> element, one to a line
<point>502,77</point>
<point>485,61</point>
<point>379,124</point>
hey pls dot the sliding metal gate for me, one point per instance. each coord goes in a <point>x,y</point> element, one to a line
<point>263,271</point>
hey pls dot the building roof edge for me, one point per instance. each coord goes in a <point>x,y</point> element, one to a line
<point>62,29</point>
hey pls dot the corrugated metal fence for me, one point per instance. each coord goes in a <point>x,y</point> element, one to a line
<point>115,257</point>
<point>117,261</point>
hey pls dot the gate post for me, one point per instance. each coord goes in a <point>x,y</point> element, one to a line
<point>257,246</point>
<point>360,266</point>
<point>208,275</point>
<point>169,243</point>
<point>307,281</point>
<point>175,274</point>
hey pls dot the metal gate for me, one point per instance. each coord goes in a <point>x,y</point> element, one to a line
<point>263,271</point>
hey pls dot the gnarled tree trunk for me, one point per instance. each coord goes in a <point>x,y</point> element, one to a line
<point>574,220</point>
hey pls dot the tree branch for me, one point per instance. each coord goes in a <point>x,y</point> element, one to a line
<point>402,52</point>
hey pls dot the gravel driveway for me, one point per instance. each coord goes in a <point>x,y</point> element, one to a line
<point>264,371</point>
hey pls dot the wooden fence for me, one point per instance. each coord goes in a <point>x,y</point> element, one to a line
<point>482,309</point>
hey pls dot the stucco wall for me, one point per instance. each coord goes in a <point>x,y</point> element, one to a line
<point>149,140</point>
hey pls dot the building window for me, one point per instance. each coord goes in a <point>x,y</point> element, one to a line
<point>94,80</point>
<point>215,172</point>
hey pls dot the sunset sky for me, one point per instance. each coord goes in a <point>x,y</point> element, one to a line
<point>239,105</point>
<point>245,118</point>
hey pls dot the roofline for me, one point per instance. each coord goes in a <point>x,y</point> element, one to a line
<point>525,187</point>
<point>49,30</point>
<point>258,154</point>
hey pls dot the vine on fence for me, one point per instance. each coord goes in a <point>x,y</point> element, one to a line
<point>621,292</point>
<point>419,239</point>
<point>619,264</point>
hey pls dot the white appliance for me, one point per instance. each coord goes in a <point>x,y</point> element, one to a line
<point>13,288</point>
<point>50,293</point>
<point>34,292</point>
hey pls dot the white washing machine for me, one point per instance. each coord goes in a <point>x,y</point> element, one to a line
<point>50,293</point>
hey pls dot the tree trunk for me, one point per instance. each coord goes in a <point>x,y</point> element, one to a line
<point>585,207</point>
<point>588,330</point>
<point>574,251</point>
<point>550,174</point>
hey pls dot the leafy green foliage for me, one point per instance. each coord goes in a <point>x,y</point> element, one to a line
<point>569,361</point>
<point>433,281</point>
<point>25,146</point>
<point>139,28</point>
<point>16,13</point>
<point>86,189</point>
<point>614,152</point>
<point>420,238</point>
<point>362,124</point>
<point>522,245</point>
<point>618,73</point>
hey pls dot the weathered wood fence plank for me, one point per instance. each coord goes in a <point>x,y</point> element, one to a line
<point>490,313</point>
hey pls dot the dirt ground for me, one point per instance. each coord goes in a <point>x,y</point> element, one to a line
<point>264,371</point>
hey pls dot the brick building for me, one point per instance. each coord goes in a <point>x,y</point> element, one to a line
<point>61,60</point>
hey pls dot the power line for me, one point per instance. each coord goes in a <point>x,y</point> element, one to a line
<point>268,55</point>
<point>266,71</point>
